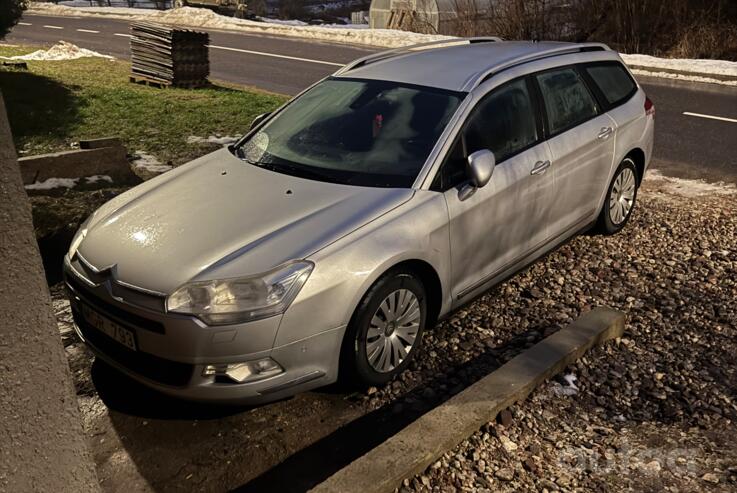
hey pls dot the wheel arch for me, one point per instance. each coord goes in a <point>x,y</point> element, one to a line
<point>430,281</point>
<point>426,273</point>
<point>638,157</point>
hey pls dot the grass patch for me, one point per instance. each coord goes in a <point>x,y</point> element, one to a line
<point>53,104</point>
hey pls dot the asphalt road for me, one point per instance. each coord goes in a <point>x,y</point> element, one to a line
<point>696,133</point>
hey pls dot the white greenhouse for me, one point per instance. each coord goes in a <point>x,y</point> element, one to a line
<point>429,16</point>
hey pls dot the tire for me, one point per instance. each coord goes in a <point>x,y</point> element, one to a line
<point>178,4</point>
<point>369,332</point>
<point>620,199</point>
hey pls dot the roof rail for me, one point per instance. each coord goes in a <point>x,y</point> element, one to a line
<point>416,47</point>
<point>565,49</point>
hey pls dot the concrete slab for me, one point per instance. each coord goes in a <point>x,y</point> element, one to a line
<point>110,161</point>
<point>413,449</point>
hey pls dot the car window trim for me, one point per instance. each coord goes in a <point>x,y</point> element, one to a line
<point>539,127</point>
<point>538,102</point>
<point>594,88</point>
<point>606,105</point>
<point>598,110</point>
<point>405,85</point>
<point>540,110</point>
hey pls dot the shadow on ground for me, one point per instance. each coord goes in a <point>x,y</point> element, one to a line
<point>28,119</point>
<point>310,466</point>
<point>123,395</point>
<point>286,446</point>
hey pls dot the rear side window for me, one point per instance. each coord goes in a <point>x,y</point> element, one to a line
<point>568,101</point>
<point>614,82</point>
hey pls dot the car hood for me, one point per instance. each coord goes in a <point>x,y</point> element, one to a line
<point>218,217</point>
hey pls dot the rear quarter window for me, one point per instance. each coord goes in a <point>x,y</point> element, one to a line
<point>614,82</point>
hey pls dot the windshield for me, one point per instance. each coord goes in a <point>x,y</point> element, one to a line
<point>358,132</point>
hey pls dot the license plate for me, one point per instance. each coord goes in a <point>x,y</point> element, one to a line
<point>124,336</point>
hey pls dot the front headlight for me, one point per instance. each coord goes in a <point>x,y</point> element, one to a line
<point>239,300</point>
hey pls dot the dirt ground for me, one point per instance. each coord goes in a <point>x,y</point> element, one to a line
<point>655,411</point>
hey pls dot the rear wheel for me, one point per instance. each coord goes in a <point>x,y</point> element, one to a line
<point>386,329</point>
<point>620,198</point>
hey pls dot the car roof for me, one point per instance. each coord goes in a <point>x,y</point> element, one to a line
<point>458,66</point>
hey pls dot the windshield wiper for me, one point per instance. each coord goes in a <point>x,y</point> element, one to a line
<point>299,171</point>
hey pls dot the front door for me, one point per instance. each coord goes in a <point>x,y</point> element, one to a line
<point>501,222</point>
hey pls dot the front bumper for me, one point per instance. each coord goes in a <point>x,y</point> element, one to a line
<point>173,350</point>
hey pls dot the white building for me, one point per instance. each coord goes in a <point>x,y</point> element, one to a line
<point>429,16</point>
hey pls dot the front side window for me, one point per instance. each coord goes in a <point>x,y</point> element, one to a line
<point>613,80</point>
<point>567,99</point>
<point>358,132</point>
<point>504,122</point>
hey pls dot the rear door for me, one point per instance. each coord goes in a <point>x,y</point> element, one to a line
<point>502,221</point>
<point>581,141</point>
<point>615,89</point>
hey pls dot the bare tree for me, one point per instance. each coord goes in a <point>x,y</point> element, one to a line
<point>258,7</point>
<point>292,9</point>
<point>684,28</point>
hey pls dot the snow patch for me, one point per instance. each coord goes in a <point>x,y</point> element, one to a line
<point>60,51</point>
<point>51,183</point>
<point>283,22</point>
<point>196,17</point>
<point>98,178</point>
<point>570,380</point>
<point>695,66</point>
<point>296,22</point>
<point>570,389</point>
<point>690,188</point>
<point>213,139</point>
<point>691,78</point>
<point>148,162</point>
<point>145,4</point>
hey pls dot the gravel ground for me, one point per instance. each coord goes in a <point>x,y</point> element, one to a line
<point>655,410</point>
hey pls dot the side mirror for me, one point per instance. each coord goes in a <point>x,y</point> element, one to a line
<point>480,167</point>
<point>257,121</point>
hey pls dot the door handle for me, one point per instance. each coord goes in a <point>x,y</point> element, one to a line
<point>605,133</point>
<point>540,167</point>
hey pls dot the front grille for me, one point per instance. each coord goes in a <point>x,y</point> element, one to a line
<point>147,365</point>
<point>112,311</point>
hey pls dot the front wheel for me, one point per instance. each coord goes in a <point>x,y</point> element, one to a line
<point>620,198</point>
<point>386,329</point>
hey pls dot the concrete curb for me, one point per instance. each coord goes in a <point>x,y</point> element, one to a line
<point>110,161</point>
<point>413,449</point>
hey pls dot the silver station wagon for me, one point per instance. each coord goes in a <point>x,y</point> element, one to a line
<point>350,220</point>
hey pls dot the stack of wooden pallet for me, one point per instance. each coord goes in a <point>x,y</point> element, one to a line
<point>165,56</point>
